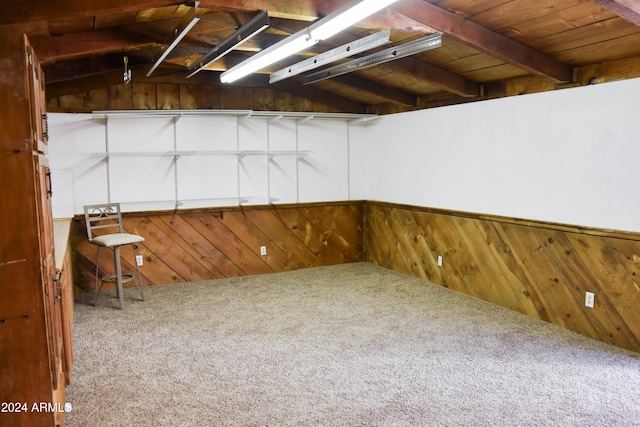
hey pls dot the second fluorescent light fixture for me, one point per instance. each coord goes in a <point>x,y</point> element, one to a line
<point>257,24</point>
<point>326,27</point>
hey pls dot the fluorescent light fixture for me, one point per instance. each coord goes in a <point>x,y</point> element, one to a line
<point>275,53</point>
<point>254,26</point>
<point>346,17</point>
<point>411,48</point>
<point>185,26</point>
<point>344,51</point>
<point>324,28</point>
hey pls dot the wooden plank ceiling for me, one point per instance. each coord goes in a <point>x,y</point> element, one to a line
<point>491,48</point>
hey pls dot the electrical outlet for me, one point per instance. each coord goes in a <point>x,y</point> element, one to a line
<point>139,260</point>
<point>439,261</point>
<point>589,299</point>
<point>263,250</point>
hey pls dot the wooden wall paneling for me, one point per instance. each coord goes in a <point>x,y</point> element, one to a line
<point>232,245</point>
<point>332,233</point>
<point>283,101</point>
<point>254,237</point>
<point>73,102</point>
<point>539,269</point>
<point>179,228</point>
<point>484,269</point>
<point>165,249</point>
<point>612,279</point>
<point>348,226</point>
<point>378,249</point>
<point>423,242</point>
<point>168,96</point>
<point>446,242</point>
<point>402,233</point>
<point>585,278</point>
<point>568,280</point>
<point>210,97</point>
<point>208,244</point>
<point>302,104</point>
<point>120,97</point>
<point>626,264</point>
<point>342,231</point>
<point>190,98</point>
<point>522,258</point>
<point>144,96</point>
<point>279,236</point>
<point>263,99</point>
<point>305,231</point>
<point>96,99</point>
<point>232,98</point>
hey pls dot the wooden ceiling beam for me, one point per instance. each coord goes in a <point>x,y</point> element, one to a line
<point>444,79</point>
<point>21,11</point>
<point>68,46</point>
<point>24,11</point>
<point>311,10</point>
<point>369,86</point>
<point>485,40</point>
<point>318,95</point>
<point>629,10</point>
<point>82,67</point>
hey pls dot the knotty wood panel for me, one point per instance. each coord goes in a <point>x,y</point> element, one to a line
<point>195,245</point>
<point>542,270</point>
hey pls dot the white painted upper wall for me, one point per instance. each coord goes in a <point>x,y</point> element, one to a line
<point>568,156</point>
<point>308,161</point>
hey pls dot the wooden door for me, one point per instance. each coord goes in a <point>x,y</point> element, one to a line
<point>35,77</point>
<point>50,289</point>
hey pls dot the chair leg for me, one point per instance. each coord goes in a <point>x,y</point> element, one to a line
<point>135,261</point>
<point>118,269</point>
<point>96,288</point>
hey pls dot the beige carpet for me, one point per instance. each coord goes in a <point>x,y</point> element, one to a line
<point>348,345</point>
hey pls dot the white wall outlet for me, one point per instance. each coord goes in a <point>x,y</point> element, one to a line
<point>589,299</point>
<point>263,250</point>
<point>439,260</point>
<point>139,260</point>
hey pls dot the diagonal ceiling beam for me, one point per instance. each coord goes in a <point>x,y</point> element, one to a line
<point>315,94</point>
<point>627,9</point>
<point>23,11</point>
<point>485,40</point>
<point>391,94</point>
<point>310,10</point>
<point>69,46</point>
<point>446,80</point>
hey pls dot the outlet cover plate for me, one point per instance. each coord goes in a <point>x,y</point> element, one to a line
<point>589,299</point>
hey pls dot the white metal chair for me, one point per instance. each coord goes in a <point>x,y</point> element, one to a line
<point>108,216</point>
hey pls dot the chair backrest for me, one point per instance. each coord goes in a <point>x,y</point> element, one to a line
<point>103,216</point>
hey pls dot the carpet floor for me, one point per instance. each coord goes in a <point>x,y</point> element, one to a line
<point>346,345</point>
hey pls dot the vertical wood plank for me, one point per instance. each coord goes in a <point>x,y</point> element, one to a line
<point>168,96</point>
<point>120,97</point>
<point>190,98</point>
<point>144,96</point>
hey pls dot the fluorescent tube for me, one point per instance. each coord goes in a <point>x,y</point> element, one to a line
<point>295,43</point>
<point>320,30</point>
<point>345,17</point>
